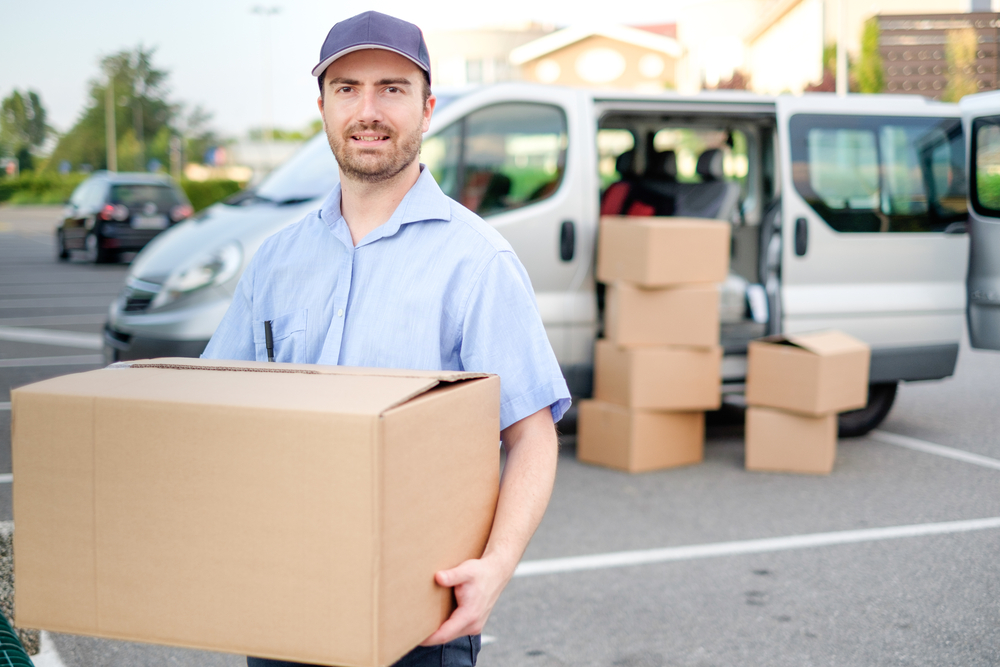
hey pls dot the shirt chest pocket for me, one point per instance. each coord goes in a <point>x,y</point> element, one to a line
<point>288,338</point>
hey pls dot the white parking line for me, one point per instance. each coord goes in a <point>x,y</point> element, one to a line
<point>931,448</point>
<point>90,341</point>
<point>696,551</point>
<point>42,320</point>
<point>73,360</point>
<point>5,406</point>
<point>57,302</point>
<point>47,655</point>
<point>6,478</point>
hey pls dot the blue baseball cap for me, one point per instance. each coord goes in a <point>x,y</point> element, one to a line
<point>372,30</point>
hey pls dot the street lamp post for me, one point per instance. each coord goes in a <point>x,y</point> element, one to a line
<point>267,130</point>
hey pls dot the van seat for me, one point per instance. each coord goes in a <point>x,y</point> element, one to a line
<point>713,197</point>
<point>615,198</point>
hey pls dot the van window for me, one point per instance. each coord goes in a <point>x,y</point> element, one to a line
<point>880,174</point>
<point>986,157</point>
<point>501,157</point>
<point>610,144</point>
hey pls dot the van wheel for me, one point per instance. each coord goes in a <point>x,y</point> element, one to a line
<point>859,422</point>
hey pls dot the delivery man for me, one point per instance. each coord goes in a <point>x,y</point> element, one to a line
<point>391,273</point>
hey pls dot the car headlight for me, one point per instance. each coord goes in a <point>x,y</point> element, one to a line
<point>213,268</point>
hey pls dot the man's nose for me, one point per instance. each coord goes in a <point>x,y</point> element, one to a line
<point>370,109</point>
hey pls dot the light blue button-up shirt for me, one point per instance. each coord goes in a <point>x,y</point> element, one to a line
<point>434,288</point>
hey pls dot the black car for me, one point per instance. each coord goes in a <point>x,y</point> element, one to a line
<point>110,213</point>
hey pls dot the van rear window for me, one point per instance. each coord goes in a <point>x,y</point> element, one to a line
<point>880,173</point>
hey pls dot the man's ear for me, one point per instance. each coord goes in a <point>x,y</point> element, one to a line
<point>319,103</point>
<point>428,112</point>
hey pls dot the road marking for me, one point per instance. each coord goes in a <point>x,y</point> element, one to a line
<point>766,545</point>
<point>5,406</point>
<point>47,655</point>
<point>931,448</point>
<point>90,341</point>
<point>43,320</point>
<point>57,302</point>
<point>6,478</point>
<point>60,289</point>
<point>73,360</point>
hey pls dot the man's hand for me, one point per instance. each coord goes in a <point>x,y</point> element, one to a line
<point>528,476</point>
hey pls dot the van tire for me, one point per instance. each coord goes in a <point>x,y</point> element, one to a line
<point>859,422</point>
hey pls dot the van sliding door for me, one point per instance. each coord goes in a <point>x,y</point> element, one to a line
<point>873,233</point>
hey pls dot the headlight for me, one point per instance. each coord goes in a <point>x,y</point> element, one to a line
<point>212,268</point>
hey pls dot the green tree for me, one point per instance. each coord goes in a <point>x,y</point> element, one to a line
<point>141,112</point>
<point>960,52</point>
<point>871,76</point>
<point>23,129</point>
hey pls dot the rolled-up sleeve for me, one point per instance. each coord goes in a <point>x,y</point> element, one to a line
<point>502,333</point>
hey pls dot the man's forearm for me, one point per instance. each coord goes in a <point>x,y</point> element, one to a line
<point>532,452</point>
<point>529,474</point>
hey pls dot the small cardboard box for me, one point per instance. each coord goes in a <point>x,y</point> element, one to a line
<point>780,441</point>
<point>285,511</point>
<point>637,316</point>
<point>659,252</point>
<point>638,440</point>
<point>658,378</point>
<point>815,373</point>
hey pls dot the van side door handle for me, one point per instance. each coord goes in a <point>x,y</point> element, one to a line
<point>567,241</point>
<point>801,236</point>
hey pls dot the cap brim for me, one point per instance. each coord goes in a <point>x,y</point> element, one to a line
<point>320,68</point>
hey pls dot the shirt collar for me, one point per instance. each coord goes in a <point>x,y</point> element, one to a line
<point>424,202</point>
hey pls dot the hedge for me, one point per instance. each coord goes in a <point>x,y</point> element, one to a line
<point>46,188</point>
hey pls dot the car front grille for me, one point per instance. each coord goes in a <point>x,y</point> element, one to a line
<point>137,295</point>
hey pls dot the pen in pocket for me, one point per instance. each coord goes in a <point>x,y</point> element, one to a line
<point>268,340</point>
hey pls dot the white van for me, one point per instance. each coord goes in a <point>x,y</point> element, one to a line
<point>847,213</point>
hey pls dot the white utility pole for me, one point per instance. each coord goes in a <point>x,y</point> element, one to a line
<point>267,130</point>
<point>110,139</point>
<point>842,47</point>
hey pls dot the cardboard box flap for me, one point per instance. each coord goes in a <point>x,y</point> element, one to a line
<point>262,385</point>
<point>822,343</point>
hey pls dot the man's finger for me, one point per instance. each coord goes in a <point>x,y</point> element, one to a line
<point>453,628</point>
<point>454,576</point>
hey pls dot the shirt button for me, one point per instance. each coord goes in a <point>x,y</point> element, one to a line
<point>340,313</point>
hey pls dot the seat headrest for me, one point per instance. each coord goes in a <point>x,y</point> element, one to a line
<point>662,166</point>
<point>710,165</point>
<point>625,164</point>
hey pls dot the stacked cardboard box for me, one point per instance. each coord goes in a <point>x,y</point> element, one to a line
<point>283,511</point>
<point>796,385</point>
<point>658,368</point>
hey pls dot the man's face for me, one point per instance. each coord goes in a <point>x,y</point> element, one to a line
<point>374,113</point>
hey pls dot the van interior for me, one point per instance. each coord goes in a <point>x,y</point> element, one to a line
<point>704,166</point>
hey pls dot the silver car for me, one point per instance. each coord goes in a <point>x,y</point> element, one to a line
<point>180,286</point>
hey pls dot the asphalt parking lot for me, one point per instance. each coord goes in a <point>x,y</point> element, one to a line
<point>890,560</point>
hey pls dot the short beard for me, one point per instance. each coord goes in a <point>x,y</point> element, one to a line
<point>357,168</point>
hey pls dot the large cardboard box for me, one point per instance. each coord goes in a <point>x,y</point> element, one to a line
<point>638,316</point>
<point>815,373</point>
<point>283,511</point>
<point>638,440</point>
<point>658,252</point>
<point>781,441</point>
<point>658,378</point>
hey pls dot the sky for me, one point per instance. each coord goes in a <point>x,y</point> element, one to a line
<point>213,48</point>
